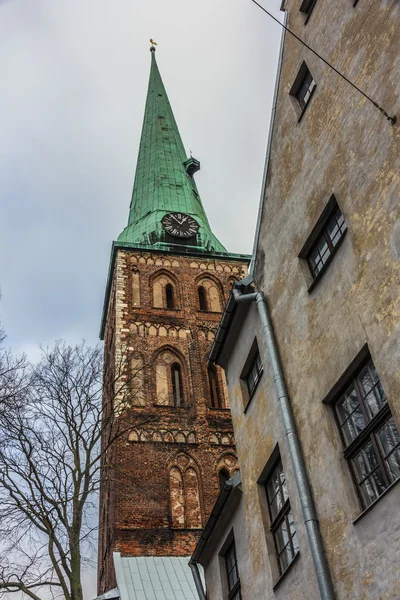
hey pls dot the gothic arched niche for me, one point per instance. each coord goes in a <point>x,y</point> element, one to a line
<point>185,493</point>
<point>136,382</point>
<point>215,391</point>
<point>177,498</point>
<point>210,296</point>
<point>170,379</point>
<point>135,287</point>
<point>165,290</point>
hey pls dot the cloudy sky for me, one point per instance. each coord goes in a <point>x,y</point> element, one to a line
<point>73,78</point>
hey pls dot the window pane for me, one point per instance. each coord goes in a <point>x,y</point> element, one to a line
<point>372,390</point>
<point>389,437</point>
<point>333,229</point>
<point>369,473</point>
<point>350,415</point>
<point>393,465</point>
<point>277,491</point>
<point>323,249</point>
<point>284,487</point>
<point>281,536</point>
<point>231,567</point>
<point>348,404</point>
<point>365,461</point>
<point>372,487</point>
<point>273,486</point>
<point>389,442</point>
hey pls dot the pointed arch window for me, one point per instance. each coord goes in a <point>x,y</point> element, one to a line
<point>171,387</point>
<point>210,295</point>
<point>202,298</point>
<point>169,295</point>
<point>177,386</point>
<point>214,387</point>
<point>165,294</point>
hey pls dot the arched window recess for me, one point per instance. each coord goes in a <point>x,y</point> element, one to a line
<point>177,384</point>
<point>169,295</point>
<point>202,298</point>
<point>215,393</point>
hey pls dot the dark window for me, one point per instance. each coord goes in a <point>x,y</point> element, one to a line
<point>369,433</point>
<point>254,374</point>
<point>326,242</point>
<point>214,387</point>
<point>202,298</point>
<point>232,573</point>
<point>177,387</point>
<point>223,476</point>
<point>282,525</point>
<point>324,239</point>
<point>307,7</point>
<point>303,88</point>
<point>169,294</point>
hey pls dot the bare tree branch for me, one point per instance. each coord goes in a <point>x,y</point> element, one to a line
<point>54,445</point>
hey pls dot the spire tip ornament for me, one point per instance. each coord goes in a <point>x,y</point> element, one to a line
<point>153,44</point>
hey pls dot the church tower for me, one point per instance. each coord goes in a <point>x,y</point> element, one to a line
<point>168,282</point>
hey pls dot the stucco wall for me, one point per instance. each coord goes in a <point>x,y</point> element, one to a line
<point>343,146</point>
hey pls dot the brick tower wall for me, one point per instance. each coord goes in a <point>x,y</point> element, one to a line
<point>165,475</point>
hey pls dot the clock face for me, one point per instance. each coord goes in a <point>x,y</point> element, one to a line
<point>180,225</point>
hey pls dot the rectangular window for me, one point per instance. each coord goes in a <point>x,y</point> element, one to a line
<point>232,573</point>
<point>307,7</point>
<point>369,433</point>
<point>254,374</point>
<point>303,89</point>
<point>324,240</point>
<point>282,524</point>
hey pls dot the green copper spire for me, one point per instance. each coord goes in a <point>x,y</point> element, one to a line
<point>164,179</point>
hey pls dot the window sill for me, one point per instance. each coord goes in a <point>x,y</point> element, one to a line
<point>209,312</point>
<point>253,393</point>
<point>277,583</point>
<point>326,265</point>
<point>219,409</point>
<point>371,506</point>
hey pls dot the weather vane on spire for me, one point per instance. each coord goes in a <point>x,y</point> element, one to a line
<point>153,43</point>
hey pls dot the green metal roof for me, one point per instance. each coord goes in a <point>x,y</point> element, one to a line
<point>162,183</point>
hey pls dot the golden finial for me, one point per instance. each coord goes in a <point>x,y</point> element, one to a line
<point>153,43</point>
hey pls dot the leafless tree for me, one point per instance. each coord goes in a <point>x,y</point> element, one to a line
<point>14,378</point>
<point>53,447</point>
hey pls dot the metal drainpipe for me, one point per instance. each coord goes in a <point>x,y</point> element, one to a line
<point>197,580</point>
<point>321,566</point>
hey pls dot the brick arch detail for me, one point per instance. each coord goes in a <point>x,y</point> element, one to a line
<point>226,460</point>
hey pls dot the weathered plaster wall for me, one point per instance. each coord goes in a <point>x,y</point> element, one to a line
<point>257,432</point>
<point>343,145</point>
